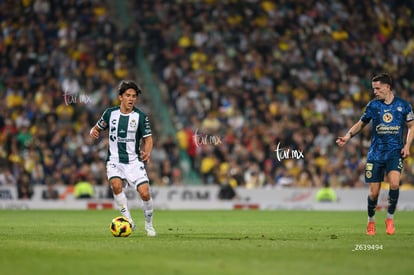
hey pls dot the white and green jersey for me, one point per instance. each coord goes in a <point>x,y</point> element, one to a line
<point>125,133</point>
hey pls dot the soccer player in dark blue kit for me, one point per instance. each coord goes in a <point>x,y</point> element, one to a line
<point>390,115</point>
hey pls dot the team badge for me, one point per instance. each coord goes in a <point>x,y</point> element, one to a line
<point>368,170</point>
<point>133,123</point>
<point>399,109</point>
<point>387,117</point>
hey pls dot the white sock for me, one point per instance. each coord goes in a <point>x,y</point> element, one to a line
<point>371,219</point>
<point>147,206</point>
<point>390,216</point>
<point>122,202</point>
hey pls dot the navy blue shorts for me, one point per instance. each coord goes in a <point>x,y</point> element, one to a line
<point>375,170</point>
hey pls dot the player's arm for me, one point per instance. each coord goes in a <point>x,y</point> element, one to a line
<point>354,130</point>
<point>405,152</point>
<point>147,148</point>
<point>100,126</point>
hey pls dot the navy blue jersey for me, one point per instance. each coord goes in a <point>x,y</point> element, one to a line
<point>388,124</point>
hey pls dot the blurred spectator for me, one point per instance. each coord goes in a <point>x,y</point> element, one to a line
<point>50,193</point>
<point>253,177</point>
<point>83,189</point>
<point>6,177</point>
<point>177,178</point>
<point>326,194</point>
<point>24,187</point>
<point>323,140</point>
<point>166,172</point>
<point>226,192</point>
<point>306,179</point>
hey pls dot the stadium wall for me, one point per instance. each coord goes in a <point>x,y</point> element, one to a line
<point>205,198</point>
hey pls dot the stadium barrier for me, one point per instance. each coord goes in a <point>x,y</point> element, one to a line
<point>206,198</point>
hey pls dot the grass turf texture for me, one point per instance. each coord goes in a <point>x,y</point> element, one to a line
<point>204,242</point>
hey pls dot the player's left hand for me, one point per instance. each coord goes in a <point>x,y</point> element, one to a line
<point>405,152</point>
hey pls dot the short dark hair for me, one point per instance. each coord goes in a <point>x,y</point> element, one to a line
<point>384,78</point>
<point>129,84</point>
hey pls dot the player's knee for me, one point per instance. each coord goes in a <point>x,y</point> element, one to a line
<point>374,194</point>
<point>145,195</point>
<point>116,189</point>
<point>144,191</point>
<point>116,186</point>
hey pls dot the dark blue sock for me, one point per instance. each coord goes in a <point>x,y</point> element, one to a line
<point>372,204</point>
<point>392,200</point>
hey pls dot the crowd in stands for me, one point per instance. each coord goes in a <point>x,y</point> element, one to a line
<point>60,63</point>
<point>249,80</point>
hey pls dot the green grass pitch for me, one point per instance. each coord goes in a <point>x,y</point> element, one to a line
<point>204,242</point>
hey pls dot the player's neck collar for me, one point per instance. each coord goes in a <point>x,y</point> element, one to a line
<point>126,112</point>
<point>390,99</point>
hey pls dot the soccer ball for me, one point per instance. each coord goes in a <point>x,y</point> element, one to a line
<point>120,227</point>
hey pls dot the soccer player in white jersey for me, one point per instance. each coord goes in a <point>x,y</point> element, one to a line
<point>127,127</point>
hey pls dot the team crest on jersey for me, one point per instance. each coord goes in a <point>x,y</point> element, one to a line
<point>387,117</point>
<point>399,109</point>
<point>133,123</point>
<point>368,170</point>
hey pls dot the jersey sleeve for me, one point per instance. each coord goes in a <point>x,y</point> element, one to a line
<point>144,129</point>
<point>103,122</point>
<point>368,113</point>
<point>410,115</point>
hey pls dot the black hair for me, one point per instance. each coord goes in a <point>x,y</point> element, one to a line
<point>129,84</point>
<point>384,78</point>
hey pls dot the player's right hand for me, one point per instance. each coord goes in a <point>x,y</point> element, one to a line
<point>341,141</point>
<point>94,133</point>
